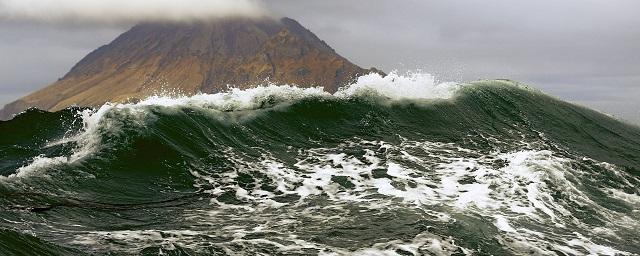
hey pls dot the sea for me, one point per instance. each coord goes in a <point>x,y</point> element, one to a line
<point>394,165</point>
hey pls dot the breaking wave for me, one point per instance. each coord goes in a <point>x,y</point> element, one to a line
<point>395,165</point>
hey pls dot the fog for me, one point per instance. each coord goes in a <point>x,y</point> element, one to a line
<point>121,11</point>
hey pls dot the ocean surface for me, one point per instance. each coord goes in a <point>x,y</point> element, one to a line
<point>400,165</point>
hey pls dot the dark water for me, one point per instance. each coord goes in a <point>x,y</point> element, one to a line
<point>488,168</point>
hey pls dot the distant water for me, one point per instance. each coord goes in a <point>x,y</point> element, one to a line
<point>400,165</point>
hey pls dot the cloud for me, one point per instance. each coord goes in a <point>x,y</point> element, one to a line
<point>118,11</point>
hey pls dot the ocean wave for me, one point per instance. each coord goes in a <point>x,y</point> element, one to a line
<point>388,165</point>
<point>96,121</point>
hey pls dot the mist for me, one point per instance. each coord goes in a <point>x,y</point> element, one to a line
<point>125,11</point>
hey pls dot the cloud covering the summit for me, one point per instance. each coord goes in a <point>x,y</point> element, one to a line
<point>117,11</point>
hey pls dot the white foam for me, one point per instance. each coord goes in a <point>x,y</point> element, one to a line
<point>420,175</point>
<point>422,244</point>
<point>503,224</point>
<point>592,248</point>
<point>393,86</point>
<point>38,163</point>
<point>632,199</point>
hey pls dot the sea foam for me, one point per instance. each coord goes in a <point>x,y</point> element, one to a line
<point>393,86</point>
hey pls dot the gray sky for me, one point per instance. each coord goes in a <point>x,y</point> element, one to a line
<point>583,51</point>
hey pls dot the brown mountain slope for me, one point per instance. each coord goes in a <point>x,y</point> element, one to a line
<point>195,57</point>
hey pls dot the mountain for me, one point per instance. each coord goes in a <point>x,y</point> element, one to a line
<point>188,58</point>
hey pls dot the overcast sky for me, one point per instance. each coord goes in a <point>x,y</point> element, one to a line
<point>583,51</point>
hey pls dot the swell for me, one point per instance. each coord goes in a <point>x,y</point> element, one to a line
<point>266,148</point>
<point>193,127</point>
<point>15,243</point>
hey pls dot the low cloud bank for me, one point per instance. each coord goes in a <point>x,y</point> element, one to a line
<point>117,11</point>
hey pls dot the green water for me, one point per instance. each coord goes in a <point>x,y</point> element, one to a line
<point>492,169</point>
